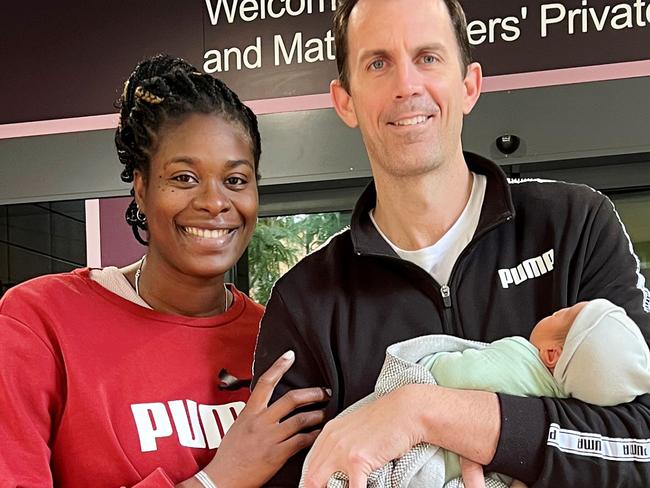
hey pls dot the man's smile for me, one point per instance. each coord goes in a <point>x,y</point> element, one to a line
<point>416,120</point>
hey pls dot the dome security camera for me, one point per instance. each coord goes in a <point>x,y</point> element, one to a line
<point>508,143</point>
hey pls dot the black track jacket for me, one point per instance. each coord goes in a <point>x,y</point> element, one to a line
<point>539,246</point>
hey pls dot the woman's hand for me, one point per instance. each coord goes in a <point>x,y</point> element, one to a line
<point>260,442</point>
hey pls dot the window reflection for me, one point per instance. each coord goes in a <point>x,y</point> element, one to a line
<point>40,238</point>
<point>634,210</point>
<point>280,242</point>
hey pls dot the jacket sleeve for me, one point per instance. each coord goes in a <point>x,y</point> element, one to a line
<point>31,402</point>
<point>280,331</point>
<point>582,444</point>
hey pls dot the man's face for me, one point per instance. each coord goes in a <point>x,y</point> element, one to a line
<point>408,90</point>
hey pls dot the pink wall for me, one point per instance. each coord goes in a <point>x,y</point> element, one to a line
<point>516,81</point>
<point>109,240</point>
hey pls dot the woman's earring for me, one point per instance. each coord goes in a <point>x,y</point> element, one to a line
<point>137,220</point>
<point>142,218</point>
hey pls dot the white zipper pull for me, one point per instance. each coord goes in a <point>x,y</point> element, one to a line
<point>446,296</point>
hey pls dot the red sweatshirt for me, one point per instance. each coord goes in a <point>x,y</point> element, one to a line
<point>98,391</point>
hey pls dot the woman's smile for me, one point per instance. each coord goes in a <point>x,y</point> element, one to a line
<point>214,238</point>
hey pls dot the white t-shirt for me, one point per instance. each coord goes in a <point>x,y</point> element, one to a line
<point>439,259</point>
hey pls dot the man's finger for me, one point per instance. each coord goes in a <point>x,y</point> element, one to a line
<point>316,475</point>
<point>358,479</point>
<point>269,380</point>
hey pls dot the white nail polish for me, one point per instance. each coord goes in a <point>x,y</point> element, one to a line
<point>289,355</point>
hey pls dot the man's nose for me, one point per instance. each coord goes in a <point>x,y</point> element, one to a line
<point>408,80</point>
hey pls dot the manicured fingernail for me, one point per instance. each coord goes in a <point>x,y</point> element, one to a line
<point>328,391</point>
<point>289,355</point>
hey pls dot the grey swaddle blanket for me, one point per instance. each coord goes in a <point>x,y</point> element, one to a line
<point>423,465</point>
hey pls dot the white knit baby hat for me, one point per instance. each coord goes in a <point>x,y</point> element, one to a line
<point>605,360</point>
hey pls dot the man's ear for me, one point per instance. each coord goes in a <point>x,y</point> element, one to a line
<point>473,82</point>
<point>550,356</point>
<point>343,103</point>
<point>140,189</point>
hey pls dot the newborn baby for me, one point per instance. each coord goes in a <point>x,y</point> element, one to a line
<point>591,351</point>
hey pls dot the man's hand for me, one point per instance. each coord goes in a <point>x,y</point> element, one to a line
<point>364,440</point>
<point>465,422</point>
<point>473,476</point>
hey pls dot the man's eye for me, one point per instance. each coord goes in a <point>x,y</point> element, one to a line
<point>428,59</point>
<point>377,64</point>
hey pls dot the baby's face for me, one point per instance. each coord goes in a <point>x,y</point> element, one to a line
<point>545,334</point>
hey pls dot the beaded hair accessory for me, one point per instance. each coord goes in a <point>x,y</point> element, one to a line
<point>125,90</point>
<point>147,96</point>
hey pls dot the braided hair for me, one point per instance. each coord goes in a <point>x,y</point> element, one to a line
<point>160,89</point>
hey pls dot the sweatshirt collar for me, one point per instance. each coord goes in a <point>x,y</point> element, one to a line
<point>497,208</point>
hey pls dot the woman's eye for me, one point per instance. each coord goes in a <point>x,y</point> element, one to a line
<point>184,178</point>
<point>235,181</point>
<point>377,64</point>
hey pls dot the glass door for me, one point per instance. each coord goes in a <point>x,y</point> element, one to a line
<point>634,210</point>
<point>280,242</point>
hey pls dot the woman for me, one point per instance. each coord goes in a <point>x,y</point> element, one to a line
<point>110,377</point>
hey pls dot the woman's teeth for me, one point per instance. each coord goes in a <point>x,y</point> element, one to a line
<point>206,233</point>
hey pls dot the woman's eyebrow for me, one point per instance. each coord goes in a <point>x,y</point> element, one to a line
<point>232,163</point>
<point>181,159</point>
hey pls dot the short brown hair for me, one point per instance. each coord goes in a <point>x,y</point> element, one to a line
<point>342,16</point>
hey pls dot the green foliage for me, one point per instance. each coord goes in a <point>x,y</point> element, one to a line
<point>280,242</point>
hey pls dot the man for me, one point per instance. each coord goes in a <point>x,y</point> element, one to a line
<point>441,242</point>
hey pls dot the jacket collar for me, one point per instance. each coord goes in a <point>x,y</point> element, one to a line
<point>497,208</point>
